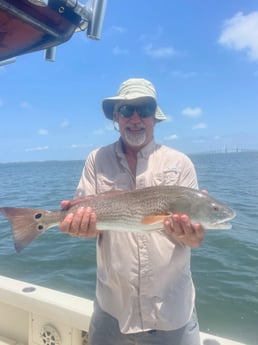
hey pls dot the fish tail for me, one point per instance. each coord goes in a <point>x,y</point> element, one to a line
<point>26,224</point>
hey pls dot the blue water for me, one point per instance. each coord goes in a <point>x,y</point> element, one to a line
<point>225,267</point>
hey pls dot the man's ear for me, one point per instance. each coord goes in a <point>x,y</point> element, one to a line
<point>115,121</point>
<point>115,116</point>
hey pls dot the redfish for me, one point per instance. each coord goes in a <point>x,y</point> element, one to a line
<point>128,211</point>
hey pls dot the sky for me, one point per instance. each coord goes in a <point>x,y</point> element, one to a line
<point>201,56</point>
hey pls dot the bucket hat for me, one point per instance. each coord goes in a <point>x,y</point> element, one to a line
<point>132,89</point>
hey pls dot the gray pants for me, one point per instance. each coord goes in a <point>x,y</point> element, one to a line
<point>104,330</point>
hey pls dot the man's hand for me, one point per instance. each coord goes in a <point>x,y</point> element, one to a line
<point>180,227</point>
<point>81,223</point>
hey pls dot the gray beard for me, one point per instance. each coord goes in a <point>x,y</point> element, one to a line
<point>135,139</point>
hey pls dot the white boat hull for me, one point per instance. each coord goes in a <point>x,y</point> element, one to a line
<point>34,315</point>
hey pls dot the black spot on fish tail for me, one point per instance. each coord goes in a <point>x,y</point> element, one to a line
<point>40,227</point>
<point>38,215</point>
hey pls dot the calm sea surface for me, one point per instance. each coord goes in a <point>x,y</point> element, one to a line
<point>225,267</point>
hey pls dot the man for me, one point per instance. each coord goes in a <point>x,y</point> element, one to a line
<point>144,292</point>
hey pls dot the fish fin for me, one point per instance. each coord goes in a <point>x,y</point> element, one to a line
<point>154,219</point>
<point>25,224</point>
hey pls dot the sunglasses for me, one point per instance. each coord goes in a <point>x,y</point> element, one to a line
<point>143,110</point>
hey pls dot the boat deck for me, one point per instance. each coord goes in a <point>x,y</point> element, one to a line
<point>45,316</point>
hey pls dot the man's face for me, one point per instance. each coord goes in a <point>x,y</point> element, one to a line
<point>136,122</point>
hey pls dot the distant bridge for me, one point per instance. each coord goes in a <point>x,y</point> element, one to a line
<point>232,150</point>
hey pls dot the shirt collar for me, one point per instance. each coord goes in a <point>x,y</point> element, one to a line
<point>143,153</point>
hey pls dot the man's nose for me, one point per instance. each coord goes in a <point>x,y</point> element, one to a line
<point>135,117</point>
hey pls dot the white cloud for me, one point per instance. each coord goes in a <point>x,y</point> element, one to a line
<point>169,118</point>
<point>99,131</point>
<point>198,141</point>
<point>183,75</point>
<point>102,131</point>
<point>109,127</point>
<point>42,131</point>
<point>118,29</point>
<point>192,112</point>
<point>161,52</point>
<point>217,137</point>
<point>79,146</point>
<point>120,51</point>
<point>64,124</point>
<point>240,33</point>
<point>171,137</point>
<point>200,125</point>
<point>38,148</point>
<point>114,30</point>
<point>25,105</point>
<point>156,35</point>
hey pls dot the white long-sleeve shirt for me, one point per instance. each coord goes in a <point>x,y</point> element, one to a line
<point>143,279</point>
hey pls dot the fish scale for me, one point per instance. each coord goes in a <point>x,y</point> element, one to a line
<point>126,210</point>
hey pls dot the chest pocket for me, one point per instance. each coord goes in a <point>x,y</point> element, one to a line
<point>107,183</point>
<point>169,176</point>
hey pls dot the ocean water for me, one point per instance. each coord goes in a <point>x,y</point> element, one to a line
<point>225,267</point>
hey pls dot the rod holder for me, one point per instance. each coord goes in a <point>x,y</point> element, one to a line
<point>50,54</point>
<point>97,17</point>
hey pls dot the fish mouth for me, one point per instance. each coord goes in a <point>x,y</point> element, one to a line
<point>224,223</point>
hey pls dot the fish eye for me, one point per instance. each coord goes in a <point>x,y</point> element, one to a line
<point>215,208</point>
